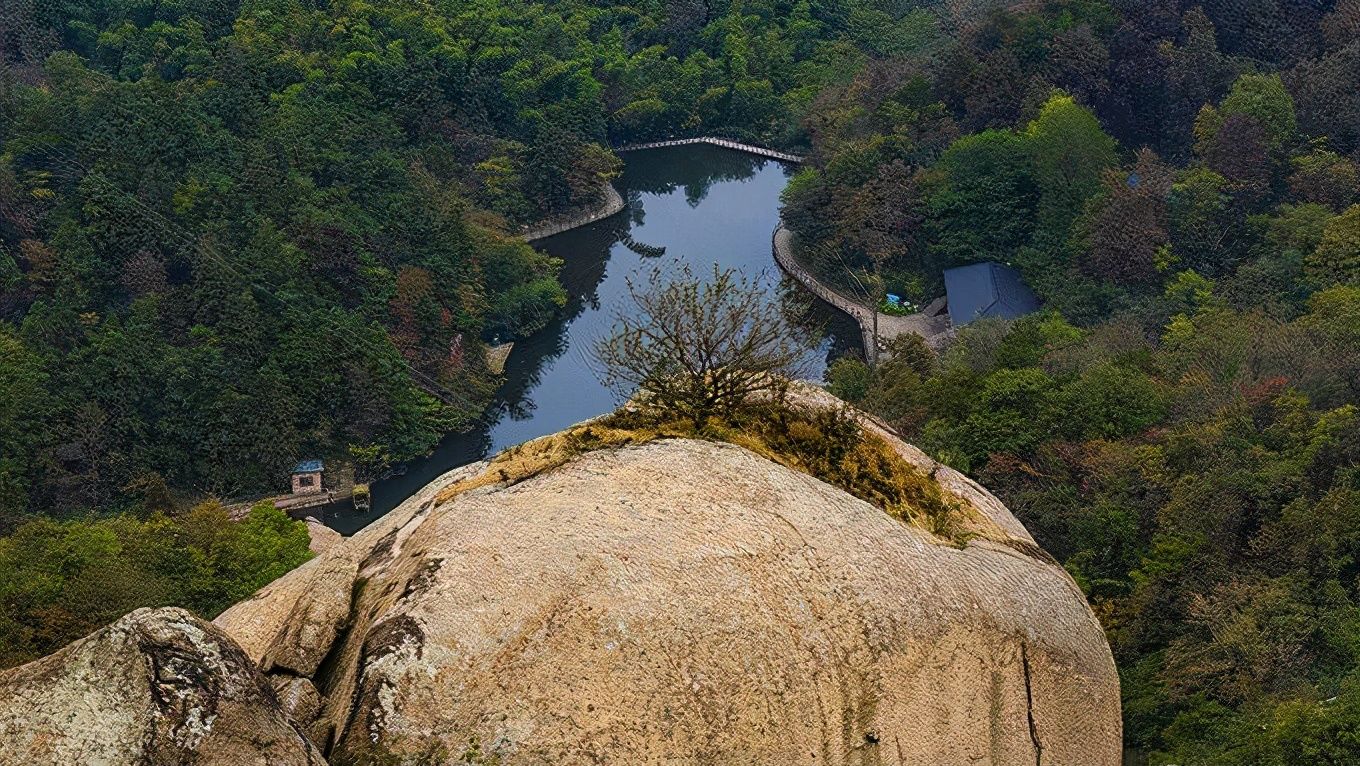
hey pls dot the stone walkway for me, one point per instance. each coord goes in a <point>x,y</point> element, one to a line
<point>715,141</point>
<point>933,329</point>
<point>609,205</point>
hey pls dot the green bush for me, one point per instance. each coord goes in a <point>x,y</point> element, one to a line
<point>62,580</point>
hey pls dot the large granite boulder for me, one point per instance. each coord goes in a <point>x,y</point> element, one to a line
<point>687,602</point>
<point>159,686</point>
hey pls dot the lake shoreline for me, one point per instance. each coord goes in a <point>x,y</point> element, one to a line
<point>934,330</point>
<point>611,204</point>
<point>696,204</point>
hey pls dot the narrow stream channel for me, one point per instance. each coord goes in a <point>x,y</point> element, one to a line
<point>703,205</point>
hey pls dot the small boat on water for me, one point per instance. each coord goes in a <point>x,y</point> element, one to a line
<point>362,499</point>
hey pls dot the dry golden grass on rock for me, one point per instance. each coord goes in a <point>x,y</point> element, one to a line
<point>827,443</point>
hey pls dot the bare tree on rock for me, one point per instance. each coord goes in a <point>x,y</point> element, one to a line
<point>700,347</point>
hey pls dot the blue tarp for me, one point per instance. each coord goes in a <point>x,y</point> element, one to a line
<point>987,290</point>
<point>309,466</point>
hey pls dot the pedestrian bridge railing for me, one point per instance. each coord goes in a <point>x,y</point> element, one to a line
<point>725,142</point>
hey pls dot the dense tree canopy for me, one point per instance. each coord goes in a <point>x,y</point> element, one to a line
<point>234,233</point>
<point>62,580</point>
<point>1178,183</point>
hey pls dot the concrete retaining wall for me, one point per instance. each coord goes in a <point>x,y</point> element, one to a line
<point>610,204</point>
<point>715,141</point>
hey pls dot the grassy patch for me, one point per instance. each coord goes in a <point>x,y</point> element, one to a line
<point>827,443</point>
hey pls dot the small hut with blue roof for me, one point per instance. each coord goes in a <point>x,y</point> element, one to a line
<point>307,477</point>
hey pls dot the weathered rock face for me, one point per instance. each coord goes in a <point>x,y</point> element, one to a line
<point>159,686</point>
<point>321,538</point>
<point>681,602</point>
<point>686,602</point>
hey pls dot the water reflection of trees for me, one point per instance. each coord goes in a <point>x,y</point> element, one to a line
<point>653,171</point>
<point>818,321</point>
<point>585,258</point>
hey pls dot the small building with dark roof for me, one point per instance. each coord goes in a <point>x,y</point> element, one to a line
<point>987,289</point>
<point>307,477</point>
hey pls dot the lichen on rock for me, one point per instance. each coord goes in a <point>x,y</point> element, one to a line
<point>159,686</point>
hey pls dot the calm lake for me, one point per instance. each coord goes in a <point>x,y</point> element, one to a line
<point>704,205</point>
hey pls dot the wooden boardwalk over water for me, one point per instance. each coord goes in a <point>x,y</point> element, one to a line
<point>715,141</point>
<point>933,329</point>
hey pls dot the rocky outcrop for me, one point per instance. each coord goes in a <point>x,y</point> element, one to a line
<point>301,703</point>
<point>159,686</point>
<point>687,602</point>
<point>670,602</point>
<point>311,627</point>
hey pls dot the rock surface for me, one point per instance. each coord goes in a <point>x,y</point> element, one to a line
<point>678,602</point>
<point>686,602</point>
<point>159,686</point>
<point>321,538</point>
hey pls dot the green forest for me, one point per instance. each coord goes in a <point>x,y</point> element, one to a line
<point>234,232</point>
<point>1179,425</point>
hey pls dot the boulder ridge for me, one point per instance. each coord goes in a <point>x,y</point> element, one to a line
<point>674,601</point>
<point>686,602</point>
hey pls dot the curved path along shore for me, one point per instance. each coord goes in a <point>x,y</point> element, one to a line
<point>932,329</point>
<point>609,205</point>
<point>782,243</point>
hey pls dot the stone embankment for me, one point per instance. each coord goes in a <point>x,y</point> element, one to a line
<point>715,141</point>
<point>610,203</point>
<point>933,329</point>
